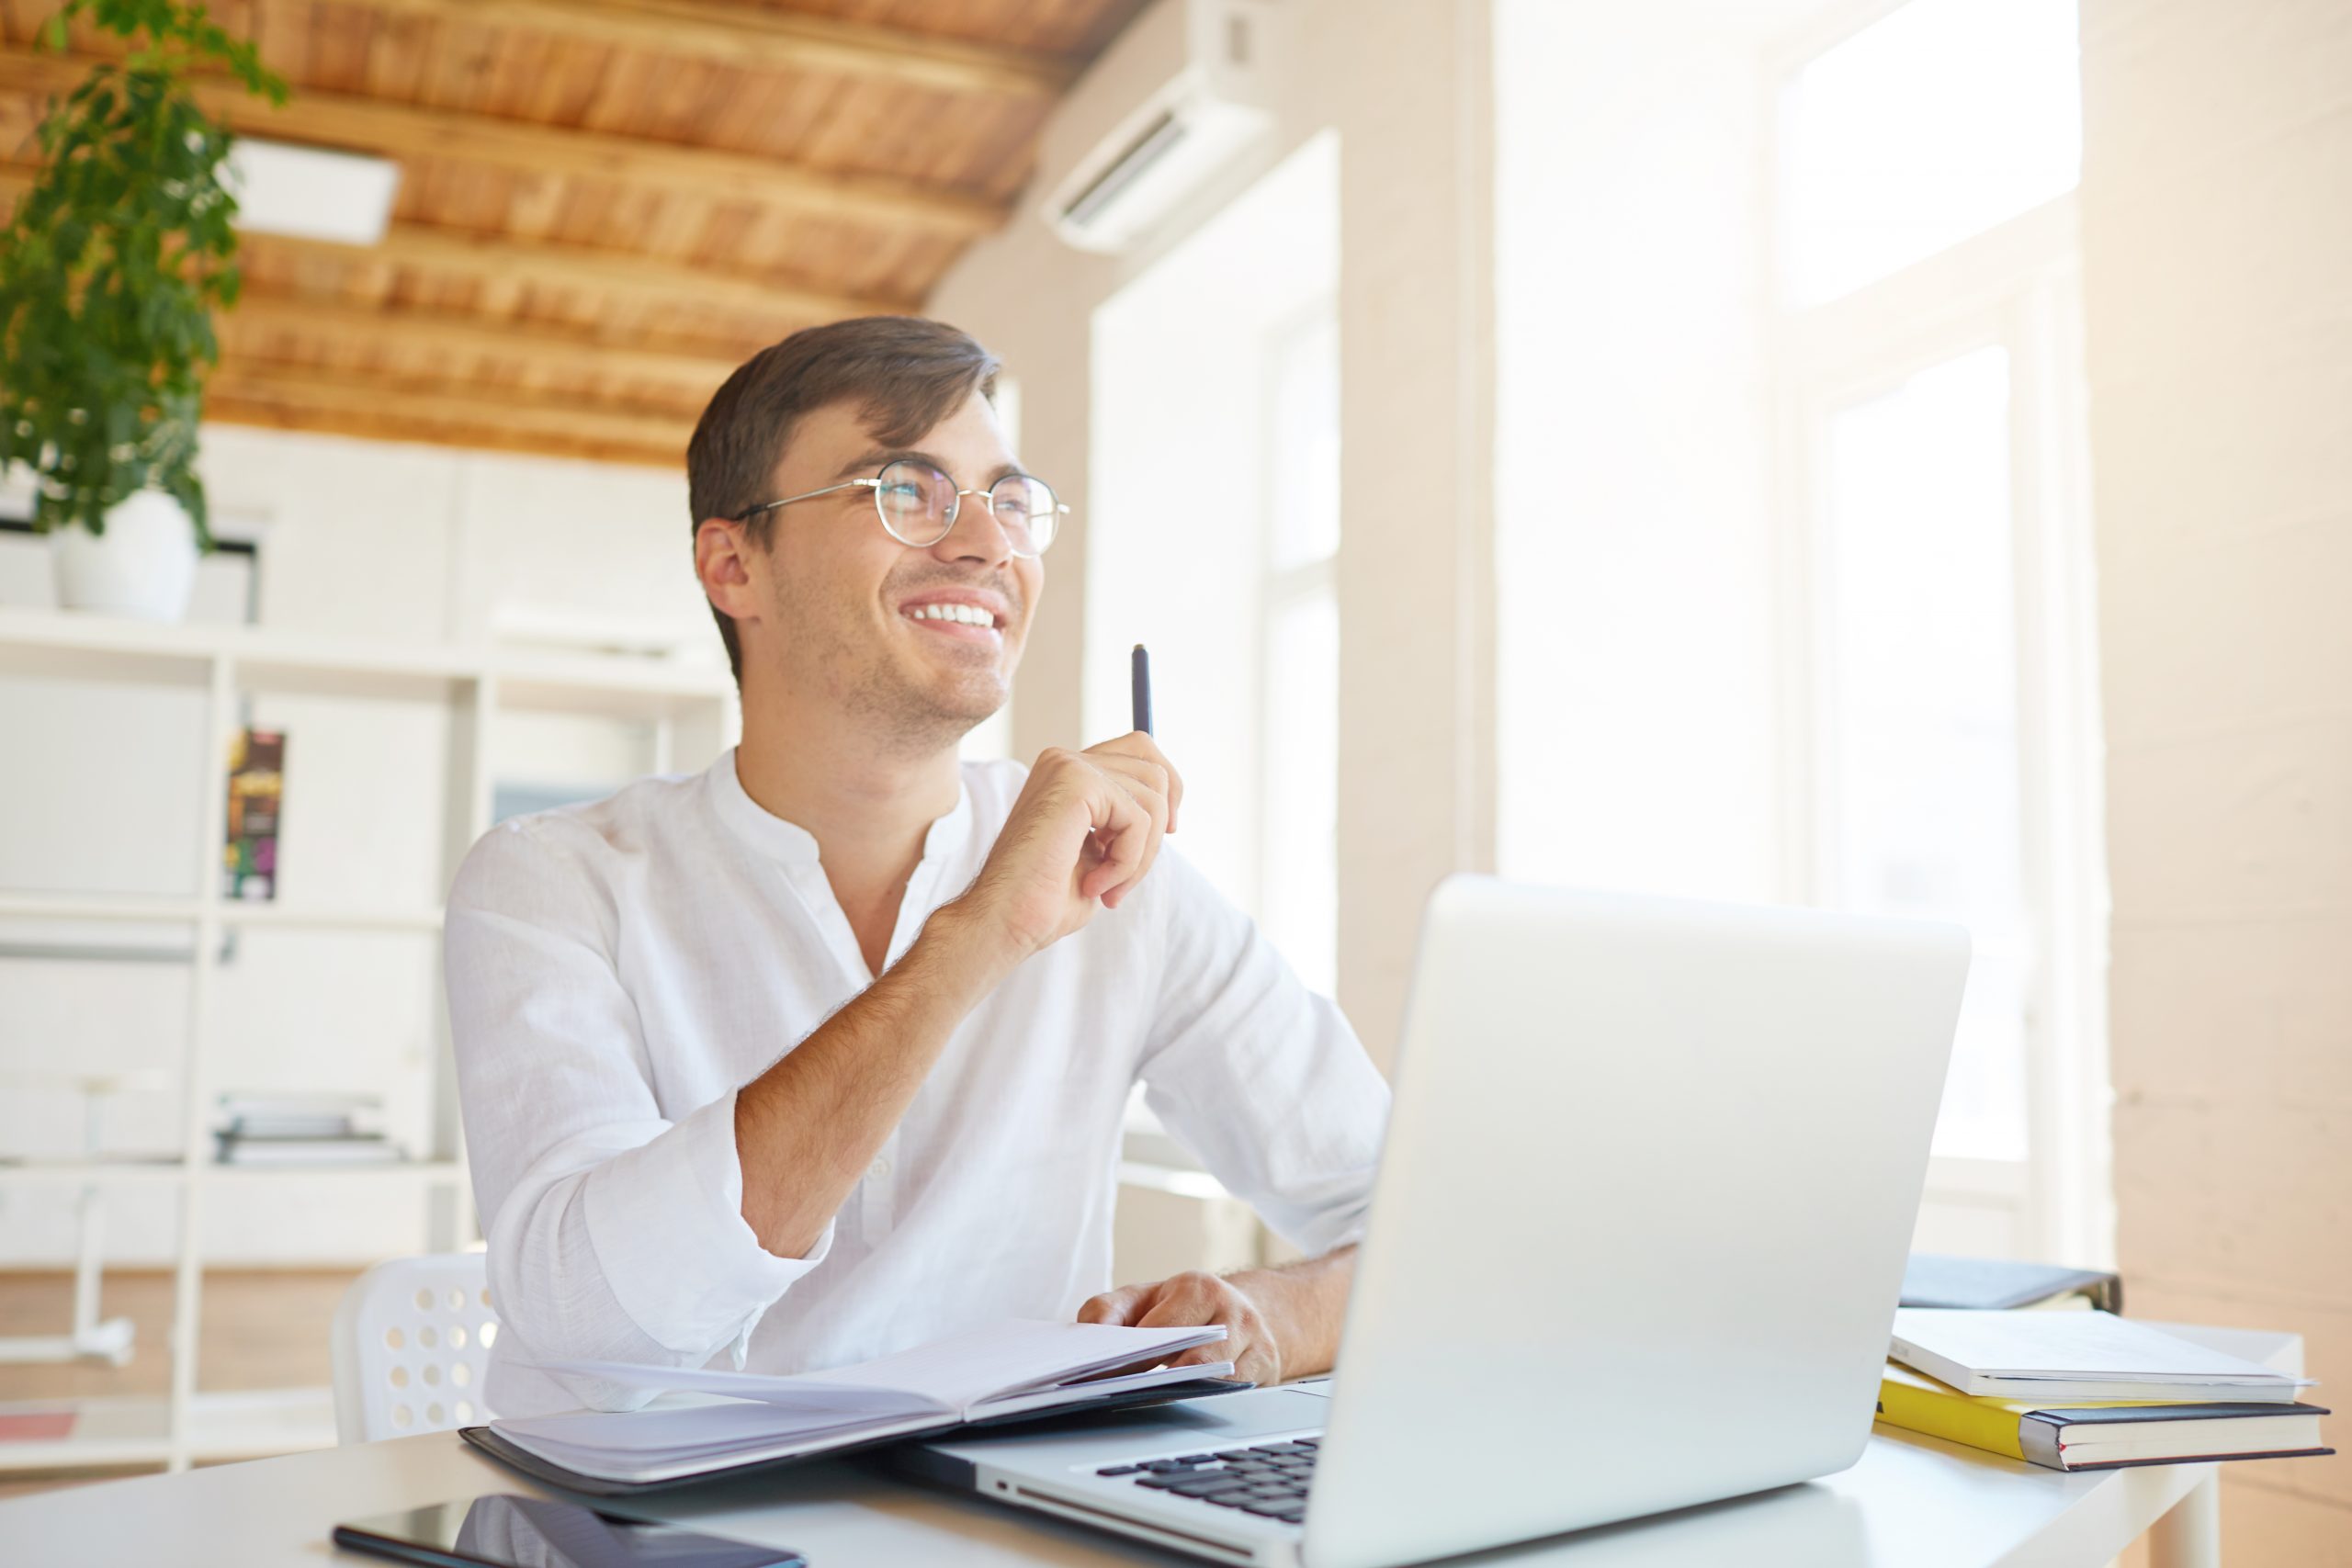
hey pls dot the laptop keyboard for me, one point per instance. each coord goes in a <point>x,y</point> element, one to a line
<point>1270,1480</point>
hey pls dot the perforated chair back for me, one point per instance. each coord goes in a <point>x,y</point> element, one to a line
<point>411,1344</point>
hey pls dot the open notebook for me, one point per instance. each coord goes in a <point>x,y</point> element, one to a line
<point>728,1422</point>
<point>2051,1358</point>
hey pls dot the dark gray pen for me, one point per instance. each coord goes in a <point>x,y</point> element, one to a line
<point>1140,665</point>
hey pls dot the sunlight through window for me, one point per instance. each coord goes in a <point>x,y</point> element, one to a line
<point>1933,124</point>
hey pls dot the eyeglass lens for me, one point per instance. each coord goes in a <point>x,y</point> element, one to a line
<point>918,505</point>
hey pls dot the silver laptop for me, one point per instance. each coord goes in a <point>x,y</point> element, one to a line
<point>1636,1244</point>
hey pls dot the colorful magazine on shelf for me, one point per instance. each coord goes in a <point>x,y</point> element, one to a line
<point>257,791</point>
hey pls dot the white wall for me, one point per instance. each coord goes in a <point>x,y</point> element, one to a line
<point>1180,497</point>
<point>2217,268</point>
<point>410,545</point>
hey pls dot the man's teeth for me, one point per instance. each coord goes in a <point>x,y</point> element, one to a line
<point>971,614</point>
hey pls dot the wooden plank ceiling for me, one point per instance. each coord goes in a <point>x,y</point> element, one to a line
<point>604,205</point>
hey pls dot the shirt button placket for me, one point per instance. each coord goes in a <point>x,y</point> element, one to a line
<point>876,1204</point>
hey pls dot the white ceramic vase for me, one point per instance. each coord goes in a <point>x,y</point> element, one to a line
<point>142,567</point>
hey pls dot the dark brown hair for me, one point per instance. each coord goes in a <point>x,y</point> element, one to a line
<point>905,373</point>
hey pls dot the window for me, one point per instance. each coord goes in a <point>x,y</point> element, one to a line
<point>1919,733</point>
<point>1939,122</point>
<point>1942,749</point>
<point>1792,583</point>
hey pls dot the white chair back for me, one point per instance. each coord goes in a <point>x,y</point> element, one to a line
<point>411,1347</point>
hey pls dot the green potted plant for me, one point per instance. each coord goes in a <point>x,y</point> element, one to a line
<point>110,269</point>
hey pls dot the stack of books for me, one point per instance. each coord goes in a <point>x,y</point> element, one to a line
<point>302,1129</point>
<point>2087,1391</point>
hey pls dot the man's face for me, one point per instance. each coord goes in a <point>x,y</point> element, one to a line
<point>845,609</point>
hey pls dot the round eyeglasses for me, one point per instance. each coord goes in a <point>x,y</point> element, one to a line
<point>918,505</point>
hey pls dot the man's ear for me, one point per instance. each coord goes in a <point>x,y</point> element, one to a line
<point>723,561</point>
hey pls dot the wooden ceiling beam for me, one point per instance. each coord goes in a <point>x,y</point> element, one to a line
<point>739,36</point>
<point>650,280</point>
<point>392,426</point>
<point>289,399</point>
<point>443,335</point>
<point>407,131</point>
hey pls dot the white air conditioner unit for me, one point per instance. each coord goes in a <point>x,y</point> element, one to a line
<point>1184,89</point>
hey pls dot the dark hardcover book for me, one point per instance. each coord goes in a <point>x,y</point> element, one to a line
<point>2106,1437</point>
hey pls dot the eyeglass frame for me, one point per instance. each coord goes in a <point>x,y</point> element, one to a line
<point>955,503</point>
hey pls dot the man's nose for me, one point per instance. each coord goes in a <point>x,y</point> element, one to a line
<point>976,535</point>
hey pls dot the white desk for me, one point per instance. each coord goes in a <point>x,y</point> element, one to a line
<point>1911,1502</point>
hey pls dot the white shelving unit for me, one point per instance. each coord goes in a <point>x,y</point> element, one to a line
<point>691,711</point>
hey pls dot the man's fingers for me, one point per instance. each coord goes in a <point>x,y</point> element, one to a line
<point>1127,836</point>
<point>1113,1307</point>
<point>1147,782</point>
<point>1191,1301</point>
<point>1143,748</point>
<point>1184,1301</point>
<point>1141,782</point>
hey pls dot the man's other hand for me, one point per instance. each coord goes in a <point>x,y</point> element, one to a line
<point>1187,1300</point>
<point>1084,832</point>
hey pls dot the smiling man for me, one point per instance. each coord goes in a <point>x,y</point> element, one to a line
<point>824,1052</point>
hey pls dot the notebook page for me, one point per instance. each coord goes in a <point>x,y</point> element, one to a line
<point>651,1446</point>
<point>1003,1406</point>
<point>1016,1357</point>
<point>656,1436</point>
<point>2067,1345</point>
<point>844,1391</point>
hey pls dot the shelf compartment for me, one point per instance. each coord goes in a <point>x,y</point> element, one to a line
<point>164,1171</point>
<point>330,917</point>
<point>125,1172</point>
<point>426,1172</point>
<point>244,1423</point>
<point>609,688</point>
<point>158,910</point>
<point>54,645</point>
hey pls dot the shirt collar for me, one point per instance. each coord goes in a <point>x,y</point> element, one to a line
<point>794,845</point>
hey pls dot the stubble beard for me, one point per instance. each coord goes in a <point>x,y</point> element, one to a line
<point>912,717</point>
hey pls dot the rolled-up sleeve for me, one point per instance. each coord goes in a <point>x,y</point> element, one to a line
<point>614,1232</point>
<point>1260,1077</point>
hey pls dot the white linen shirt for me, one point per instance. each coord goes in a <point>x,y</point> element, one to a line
<point>618,970</point>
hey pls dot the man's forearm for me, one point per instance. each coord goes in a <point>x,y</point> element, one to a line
<point>807,1127</point>
<point>1306,1304</point>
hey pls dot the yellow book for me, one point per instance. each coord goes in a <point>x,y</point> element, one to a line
<point>1917,1403</point>
<point>2081,1434</point>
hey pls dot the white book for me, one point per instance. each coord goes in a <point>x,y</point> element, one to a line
<point>736,1419</point>
<point>2050,1357</point>
<point>233,1106</point>
<point>349,1150</point>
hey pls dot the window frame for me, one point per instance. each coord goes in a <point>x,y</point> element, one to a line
<point>2017,286</point>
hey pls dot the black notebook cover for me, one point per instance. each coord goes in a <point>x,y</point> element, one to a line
<point>2129,1415</point>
